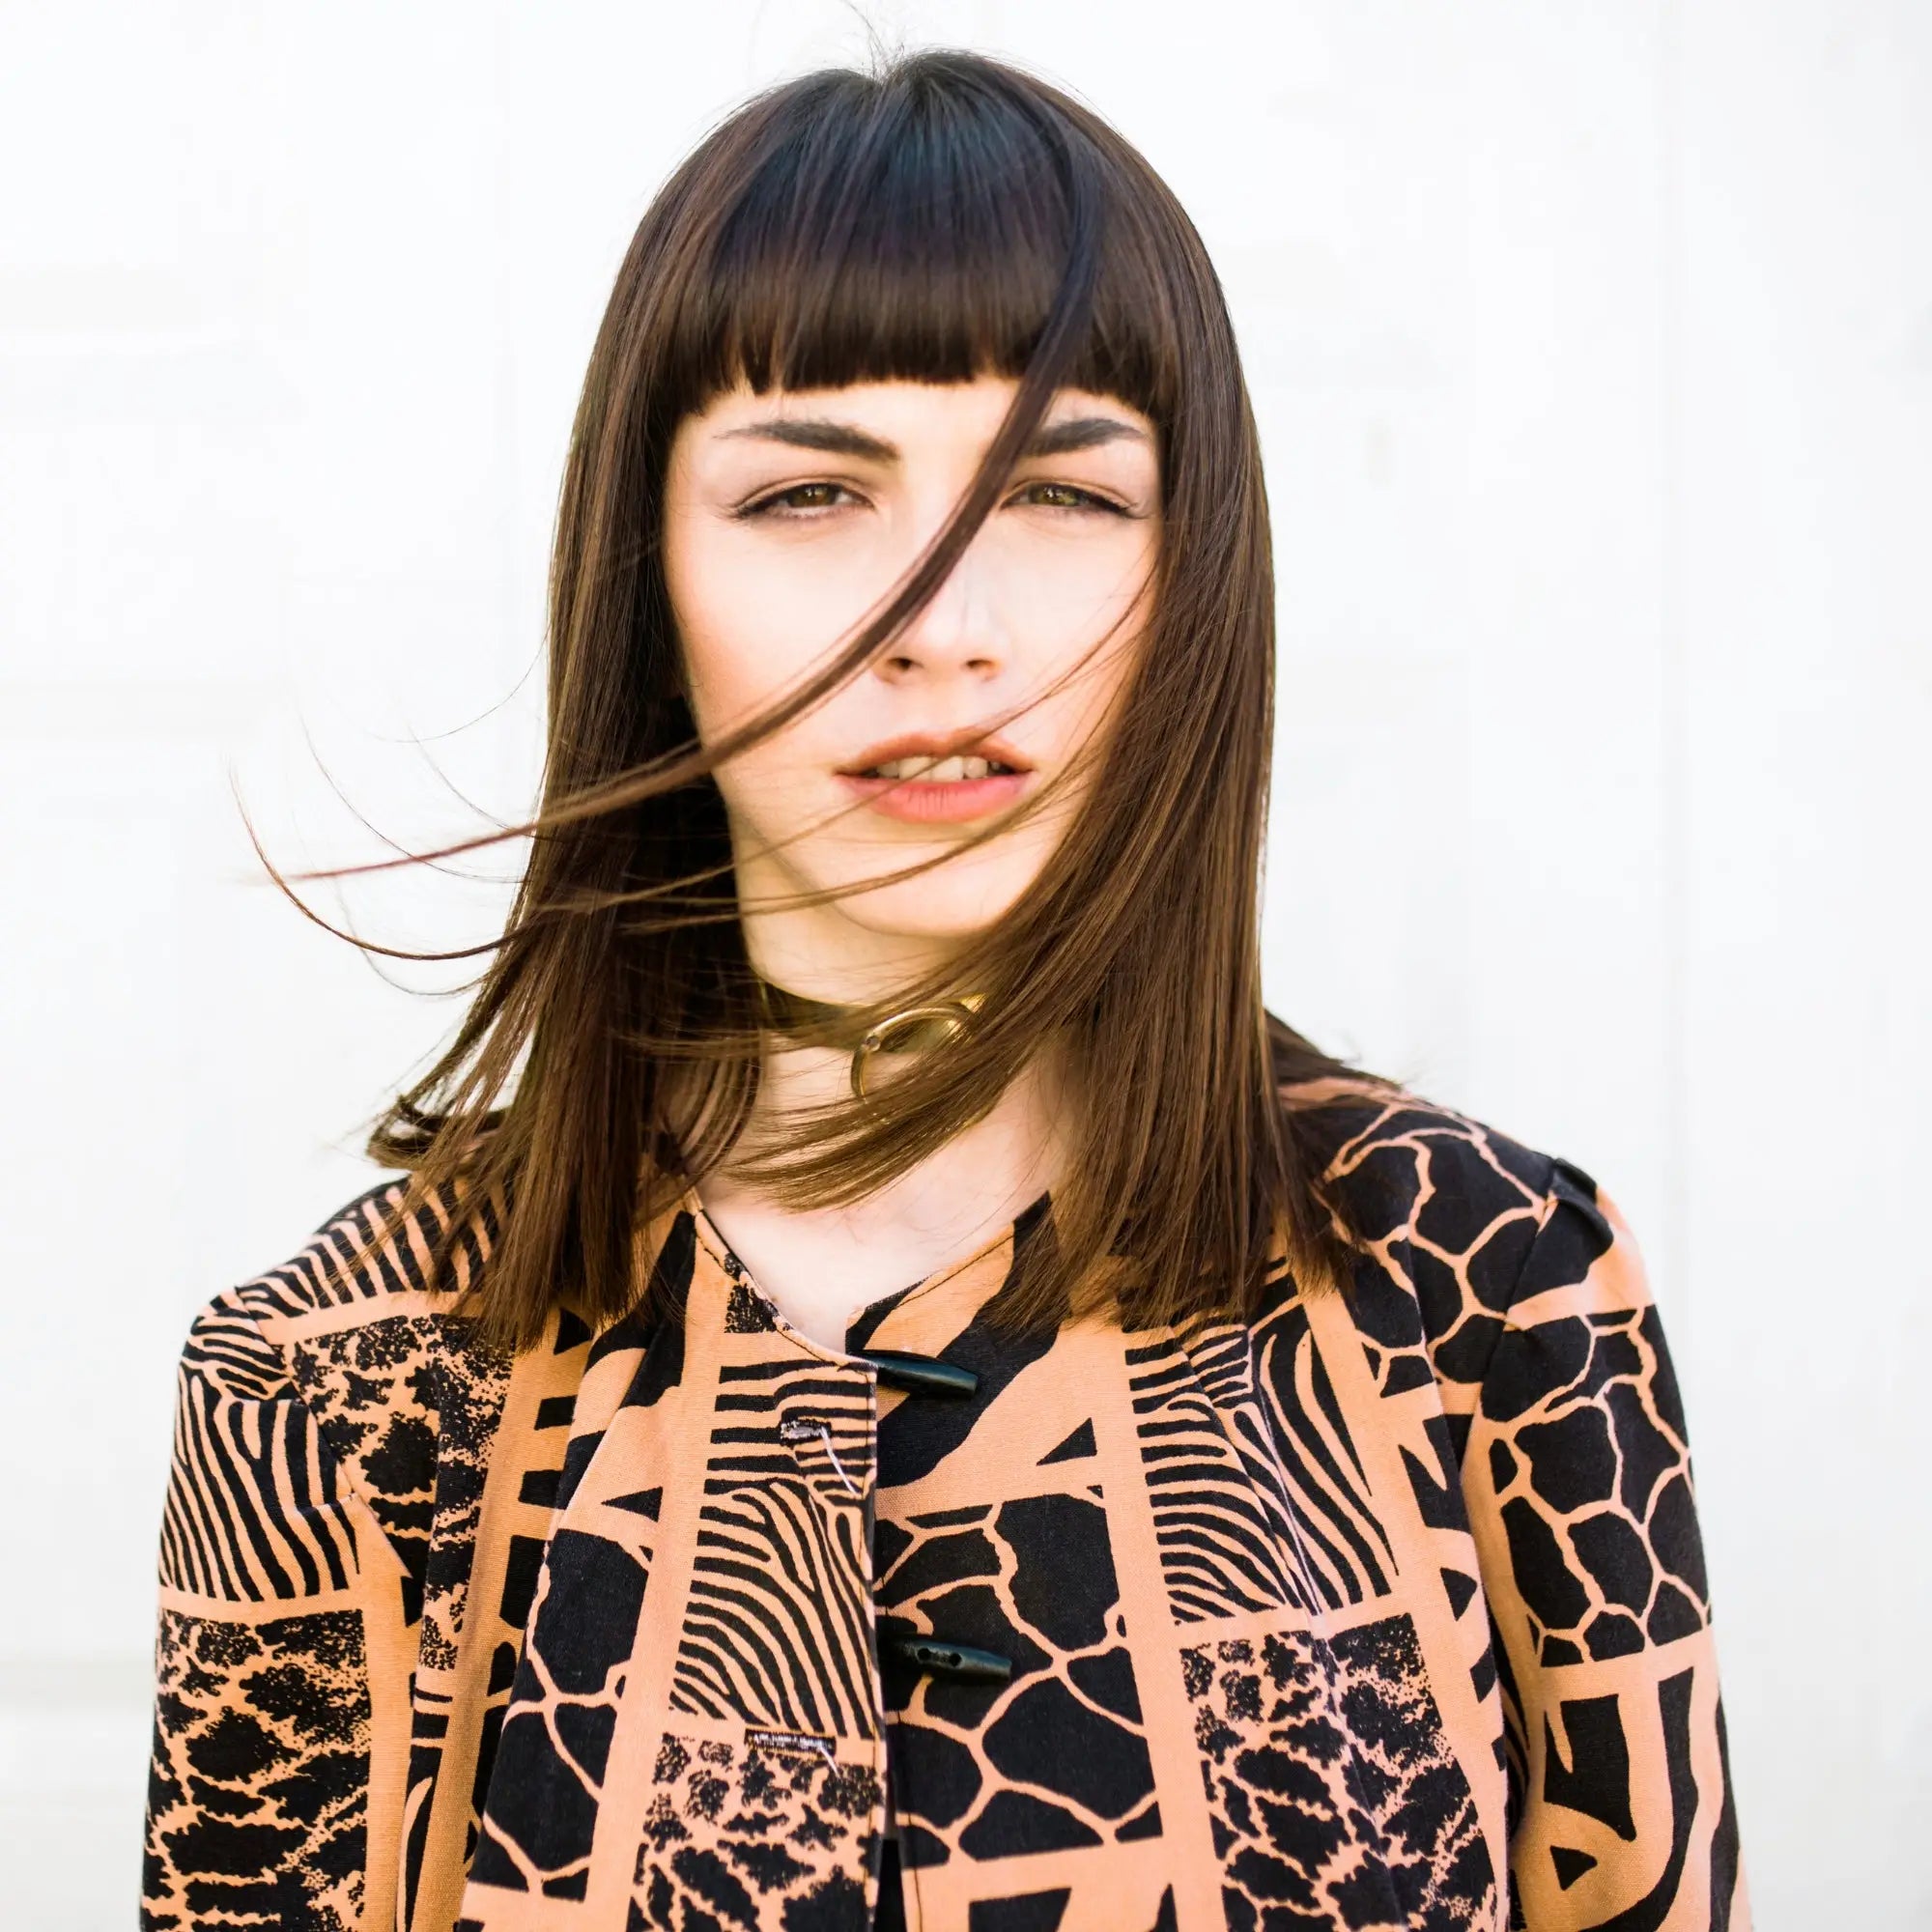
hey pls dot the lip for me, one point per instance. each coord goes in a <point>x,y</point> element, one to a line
<point>936,745</point>
<point>922,802</point>
<point>955,801</point>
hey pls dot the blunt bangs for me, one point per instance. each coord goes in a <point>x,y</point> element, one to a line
<point>919,227</point>
<point>943,218</point>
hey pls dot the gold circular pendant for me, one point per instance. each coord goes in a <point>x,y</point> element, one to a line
<point>902,1031</point>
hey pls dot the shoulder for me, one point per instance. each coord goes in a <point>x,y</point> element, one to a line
<point>350,1320</point>
<point>1396,1162</point>
<point>365,1260</point>
<point>233,1338</point>
<point>1460,1227</point>
<point>347,1349</point>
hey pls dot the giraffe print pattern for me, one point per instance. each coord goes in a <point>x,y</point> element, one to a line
<point>1445,1213</point>
<point>1593,1484</point>
<point>1055,1757</point>
<point>1551,1397</point>
<point>556,1740</point>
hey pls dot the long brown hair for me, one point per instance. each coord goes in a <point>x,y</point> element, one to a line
<point>940,217</point>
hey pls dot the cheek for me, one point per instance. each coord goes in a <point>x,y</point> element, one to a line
<point>739,653</point>
<point>744,634</point>
<point>1090,640</point>
<point>728,633</point>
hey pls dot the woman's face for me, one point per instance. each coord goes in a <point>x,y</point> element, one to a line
<point>788,517</point>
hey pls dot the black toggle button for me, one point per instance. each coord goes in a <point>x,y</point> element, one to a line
<point>950,1660</point>
<point>922,1375</point>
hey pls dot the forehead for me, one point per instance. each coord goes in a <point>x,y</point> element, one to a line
<point>900,407</point>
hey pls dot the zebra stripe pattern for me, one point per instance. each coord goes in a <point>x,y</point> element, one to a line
<point>782,1545</point>
<point>252,1511</point>
<point>345,1261</point>
<point>1341,1533</point>
<point>1258,1500</point>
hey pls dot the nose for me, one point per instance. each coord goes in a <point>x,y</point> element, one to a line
<point>960,632</point>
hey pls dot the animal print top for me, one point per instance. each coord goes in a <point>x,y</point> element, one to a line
<point>1385,1610</point>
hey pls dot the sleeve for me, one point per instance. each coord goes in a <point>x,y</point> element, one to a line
<point>258,1786</point>
<point>1581,1496</point>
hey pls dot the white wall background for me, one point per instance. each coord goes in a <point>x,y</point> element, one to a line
<point>1593,346</point>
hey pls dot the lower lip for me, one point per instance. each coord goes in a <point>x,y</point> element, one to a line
<point>952,803</point>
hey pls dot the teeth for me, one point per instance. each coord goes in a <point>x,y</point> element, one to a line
<point>943,771</point>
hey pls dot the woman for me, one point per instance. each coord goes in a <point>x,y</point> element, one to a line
<point>924,1403</point>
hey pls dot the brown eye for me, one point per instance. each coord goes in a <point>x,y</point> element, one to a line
<point>1066,497</point>
<point>800,500</point>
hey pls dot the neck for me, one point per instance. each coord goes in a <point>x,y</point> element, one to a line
<point>976,1181</point>
<point>944,1204</point>
<point>1001,1162</point>
<point>840,964</point>
<point>823,1261</point>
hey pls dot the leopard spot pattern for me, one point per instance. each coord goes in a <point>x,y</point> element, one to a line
<point>1336,1800</point>
<point>259,1781</point>
<point>758,1839</point>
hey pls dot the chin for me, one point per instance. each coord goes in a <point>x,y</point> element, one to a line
<point>933,906</point>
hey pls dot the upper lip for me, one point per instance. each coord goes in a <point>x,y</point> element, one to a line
<point>966,744</point>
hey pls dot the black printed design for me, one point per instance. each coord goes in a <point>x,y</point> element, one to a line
<point>1055,1757</point>
<point>1337,1800</point>
<point>257,1800</point>
<point>744,1836</point>
<point>1594,1486</point>
<point>1260,1499</point>
<point>780,1541</point>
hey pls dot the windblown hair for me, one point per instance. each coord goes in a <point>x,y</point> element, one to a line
<point>941,217</point>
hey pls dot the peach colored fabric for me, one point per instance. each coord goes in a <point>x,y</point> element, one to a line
<point>1387,1609</point>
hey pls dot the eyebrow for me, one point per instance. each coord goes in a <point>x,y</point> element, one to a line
<point>842,439</point>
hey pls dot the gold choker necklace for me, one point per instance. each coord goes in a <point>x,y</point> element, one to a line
<point>908,1030</point>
